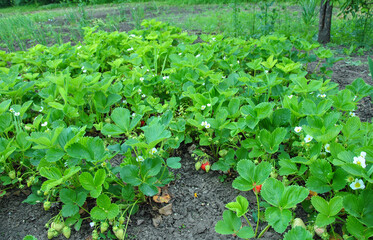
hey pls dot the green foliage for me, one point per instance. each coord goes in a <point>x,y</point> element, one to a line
<point>327,210</point>
<point>282,199</point>
<point>67,111</point>
<point>251,174</point>
<point>298,233</point>
<point>231,224</point>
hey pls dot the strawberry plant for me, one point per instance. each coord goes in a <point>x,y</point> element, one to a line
<point>249,106</point>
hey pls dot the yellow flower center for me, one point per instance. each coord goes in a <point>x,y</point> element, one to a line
<point>358,163</point>
<point>357,185</point>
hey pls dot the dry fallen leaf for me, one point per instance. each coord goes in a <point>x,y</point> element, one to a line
<point>157,220</point>
<point>162,198</point>
<point>311,194</point>
<point>166,210</point>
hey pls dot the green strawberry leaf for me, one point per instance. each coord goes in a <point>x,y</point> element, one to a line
<point>174,162</point>
<point>246,232</point>
<point>229,225</point>
<point>69,210</point>
<point>298,233</point>
<point>240,206</point>
<point>98,213</point>
<point>278,218</point>
<point>251,174</point>
<point>130,174</point>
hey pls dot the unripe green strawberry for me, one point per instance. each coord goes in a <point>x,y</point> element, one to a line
<point>119,234</point>
<point>47,205</point>
<point>55,234</point>
<point>298,223</point>
<point>94,235</point>
<point>58,226</point>
<point>198,165</point>
<point>66,231</point>
<point>319,230</point>
<point>29,181</point>
<point>104,226</point>
<point>274,174</point>
<point>121,220</point>
<point>223,152</point>
<point>107,120</point>
<point>12,174</point>
<point>51,233</point>
<point>207,168</point>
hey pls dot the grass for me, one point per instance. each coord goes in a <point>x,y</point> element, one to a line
<point>28,25</point>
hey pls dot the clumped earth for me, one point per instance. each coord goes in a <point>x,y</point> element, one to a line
<point>197,198</point>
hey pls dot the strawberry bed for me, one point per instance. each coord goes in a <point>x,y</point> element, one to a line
<point>106,135</point>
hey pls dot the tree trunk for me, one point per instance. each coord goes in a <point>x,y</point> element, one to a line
<point>325,21</point>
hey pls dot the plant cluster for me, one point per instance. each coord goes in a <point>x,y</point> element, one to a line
<point>249,105</point>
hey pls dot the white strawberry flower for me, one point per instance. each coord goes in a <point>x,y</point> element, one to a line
<point>308,138</point>
<point>17,114</point>
<point>198,55</point>
<point>124,101</point>
<point>141,79</point>
<point>79,47</point>
<point>153,151</point>
<point>92,224</point>
<point>352,114</point>
<point>208,104</point>
<point>132,35</point>
<point>139,91</point>
<point>139,159</point>
<point>130,49</point>
<point>290,96</point>
<point>203,107</point>
<point>207,125</point>
<point>143,96</point>
<point>327,147</point>
<point>357,184</point>
<point>44,124</point>
<point>360,161</point>
<point>133,114</point>
<point>204,123</point>
<point>321,95</point>
<point>363,154</point>
<point>179,54</point>
<point>11,110</point>
<point>297,129</point>
<point>238,61</point>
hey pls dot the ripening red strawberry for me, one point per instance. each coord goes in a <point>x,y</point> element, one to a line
<point>142,123</point>
<point>257,188</point>
<point>206,166</point>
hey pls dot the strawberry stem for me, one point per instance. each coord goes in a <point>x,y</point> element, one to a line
<point>248,221</point>
<point>264,231</point>
<point>257,221</point>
